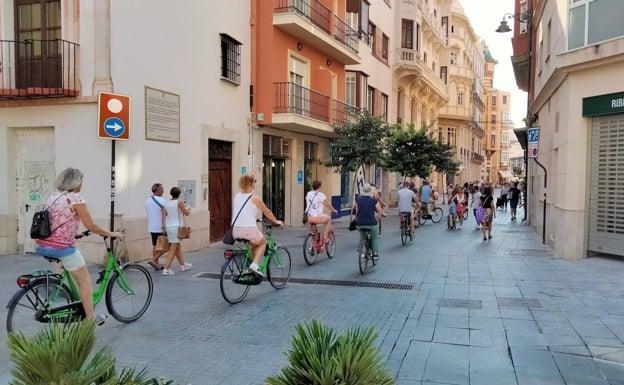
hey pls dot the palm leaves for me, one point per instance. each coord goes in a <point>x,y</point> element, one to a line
<point>60,355</point>
<point>320,357</point>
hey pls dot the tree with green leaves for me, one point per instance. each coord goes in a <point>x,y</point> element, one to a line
<point>360,142</point>
<point>412,152</point>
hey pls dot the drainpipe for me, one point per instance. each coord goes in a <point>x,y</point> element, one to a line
<point>544,214</point>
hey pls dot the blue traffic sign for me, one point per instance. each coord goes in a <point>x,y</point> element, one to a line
<point>533,134</point>
<point>114,127</point>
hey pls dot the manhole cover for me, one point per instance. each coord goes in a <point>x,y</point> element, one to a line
<point>459,303</point>
<point>519,302</point>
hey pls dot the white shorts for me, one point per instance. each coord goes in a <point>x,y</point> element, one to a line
<point>172,234</point>
<point>73,261</point>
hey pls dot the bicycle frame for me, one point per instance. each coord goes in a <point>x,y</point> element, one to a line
<point>65,280</point>
<point>270,247</point>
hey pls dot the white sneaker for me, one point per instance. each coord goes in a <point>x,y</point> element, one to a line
<point>254,268</point>
<point>168,272</point>
<point>186,267</point>
<point>458,227</point>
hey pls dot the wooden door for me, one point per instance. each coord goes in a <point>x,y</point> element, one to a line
<point>219,188</point>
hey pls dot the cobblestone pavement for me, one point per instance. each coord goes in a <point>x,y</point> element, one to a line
<point>503,311</point>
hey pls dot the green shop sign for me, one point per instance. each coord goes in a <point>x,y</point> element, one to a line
<point>604,104</point>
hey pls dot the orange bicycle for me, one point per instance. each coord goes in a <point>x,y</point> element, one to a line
<point>314,244</point>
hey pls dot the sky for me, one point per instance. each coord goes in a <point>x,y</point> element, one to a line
<point>485,16</point>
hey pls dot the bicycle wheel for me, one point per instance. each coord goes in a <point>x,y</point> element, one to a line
<point>309,252</point>
<point>278,268</point>
<point>28,315</point>
<point>129,293</point>
<point>422,218</point>
<point>232,291</point>
<point>330,246</point>
<point>404,229</point>
<point>465,214</point>
<point>437,215</point>
<point>362,256</point>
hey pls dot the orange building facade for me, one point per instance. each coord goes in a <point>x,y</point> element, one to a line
<point>299,50</point>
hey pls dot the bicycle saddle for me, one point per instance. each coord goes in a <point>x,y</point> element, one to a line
<point>51,259</point>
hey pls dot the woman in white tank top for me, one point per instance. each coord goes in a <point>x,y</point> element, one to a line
<point>246,207</point>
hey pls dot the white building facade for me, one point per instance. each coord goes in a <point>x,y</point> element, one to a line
<point>184,69</point>
<point>579,107</point>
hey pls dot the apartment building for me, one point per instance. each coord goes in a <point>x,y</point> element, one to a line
<point>299,53</point>
<point>568,55</point>
<point>460,119</point>
<point>185,72</point>
<point>419,74</point>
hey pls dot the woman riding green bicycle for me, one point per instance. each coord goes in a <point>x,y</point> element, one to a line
<point>366,206</point>
<point>67,209</point>
<point>247,204</point>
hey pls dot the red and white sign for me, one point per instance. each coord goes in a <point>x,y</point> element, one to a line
<point>113,116</point>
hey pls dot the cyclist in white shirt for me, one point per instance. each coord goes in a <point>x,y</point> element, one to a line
<point>316,201</point>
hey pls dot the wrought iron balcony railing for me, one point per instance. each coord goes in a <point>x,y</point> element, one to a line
<point>320,16</point>
<point>38,69</point>
<point>477,157</point>
<point>293,98</point>
<point>342,112</point>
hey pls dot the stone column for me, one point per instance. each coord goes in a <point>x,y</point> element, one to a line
<point>102,81</point>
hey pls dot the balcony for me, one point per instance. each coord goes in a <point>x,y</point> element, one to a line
<point>301,109</point>
<point>432,26</point>
<point>475,157</point>
<point>410,60</point>
<point>34,69</point>
<point>476,128</point>
<point>312,23</point>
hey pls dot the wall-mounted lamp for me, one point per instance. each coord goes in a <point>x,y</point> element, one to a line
<point>524,17</point>
<point>329,62</point>
<point>299,46</point>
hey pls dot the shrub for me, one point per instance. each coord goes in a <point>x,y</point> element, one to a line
<point>59,355</point>
<point>319,357</point>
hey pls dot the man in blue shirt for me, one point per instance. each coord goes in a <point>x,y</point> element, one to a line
<point>425,194</point>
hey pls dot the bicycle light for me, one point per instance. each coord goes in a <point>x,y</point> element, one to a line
<point>227,254</point>
<point>23,280</point>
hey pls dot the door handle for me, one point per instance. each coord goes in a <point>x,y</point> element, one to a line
<point>27,207</point>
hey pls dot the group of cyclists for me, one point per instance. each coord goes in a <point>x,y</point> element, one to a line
<point>368,208</point>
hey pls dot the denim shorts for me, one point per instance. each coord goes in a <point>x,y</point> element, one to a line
<point>70,257</point>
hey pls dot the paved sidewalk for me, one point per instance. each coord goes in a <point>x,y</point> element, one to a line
<point>503,311</point>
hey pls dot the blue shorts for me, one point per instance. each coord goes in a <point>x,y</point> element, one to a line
<point>70,257</point>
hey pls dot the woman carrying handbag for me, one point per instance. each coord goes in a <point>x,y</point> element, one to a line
<point>172,223</point>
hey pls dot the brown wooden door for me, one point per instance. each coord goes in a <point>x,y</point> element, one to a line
<point>219,197</point>
<point>38,30</point>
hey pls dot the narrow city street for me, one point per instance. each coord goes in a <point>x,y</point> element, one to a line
<point>449,308</point>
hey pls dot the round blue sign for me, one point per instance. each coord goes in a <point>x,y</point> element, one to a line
<point>114,127</point>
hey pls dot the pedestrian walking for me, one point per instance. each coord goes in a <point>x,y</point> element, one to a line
<point>514,197</point>
<point>171,221</point>
<point>475,202</point>
<point>154,206</point>
<point>489,213</point>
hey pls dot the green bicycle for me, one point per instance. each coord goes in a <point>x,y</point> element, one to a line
<point>46,297</point>
<point>236,279</point>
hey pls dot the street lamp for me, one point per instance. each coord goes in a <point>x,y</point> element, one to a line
<point>527,17</point>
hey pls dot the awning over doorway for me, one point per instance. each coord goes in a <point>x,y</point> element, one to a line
<point>506,174</point>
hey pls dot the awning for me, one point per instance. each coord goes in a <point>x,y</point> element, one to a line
<point>521,134</point>
<point>506,174</point>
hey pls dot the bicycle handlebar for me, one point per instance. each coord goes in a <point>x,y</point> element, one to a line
<point>86,233</point>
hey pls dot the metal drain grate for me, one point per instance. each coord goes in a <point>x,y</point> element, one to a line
<point>334,282</point>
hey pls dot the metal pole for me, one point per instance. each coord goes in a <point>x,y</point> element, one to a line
<point>112,190</point>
